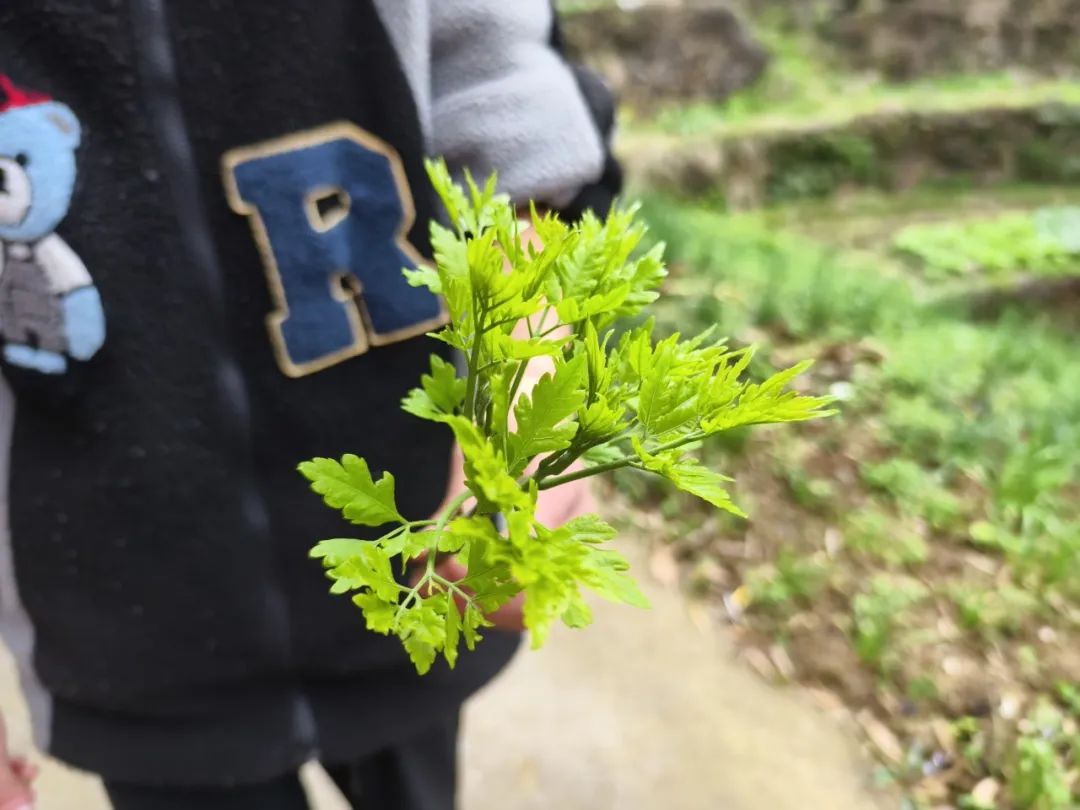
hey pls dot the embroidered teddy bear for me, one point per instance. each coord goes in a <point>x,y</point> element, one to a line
<point>50,311</point>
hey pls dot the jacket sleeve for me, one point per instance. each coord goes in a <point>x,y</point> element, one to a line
<point>504,99</point>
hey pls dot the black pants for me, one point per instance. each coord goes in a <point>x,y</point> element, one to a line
<point>420,774</point>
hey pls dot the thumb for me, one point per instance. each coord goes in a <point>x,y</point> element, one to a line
<point>15,775</point>
<point>5,755</point>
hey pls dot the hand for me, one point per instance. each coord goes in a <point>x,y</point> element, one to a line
<point>554,507</point>
<point>16,776</point>
<point>510,617</point>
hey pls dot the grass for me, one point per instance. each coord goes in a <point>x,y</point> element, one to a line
<point>850,98</point>
<point>868,219</point>
<point>803,88</point>
<point>919,555</point>
<point>933,530</point>
<point>1044,243</point>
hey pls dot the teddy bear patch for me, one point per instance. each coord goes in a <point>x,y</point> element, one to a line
<point>50,311</point>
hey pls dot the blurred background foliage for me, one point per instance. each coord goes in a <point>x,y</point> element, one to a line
<point>889,186</point>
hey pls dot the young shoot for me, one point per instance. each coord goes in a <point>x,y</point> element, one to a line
<point>606,402</point>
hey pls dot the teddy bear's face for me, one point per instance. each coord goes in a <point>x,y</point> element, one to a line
<point>37,169</point>
<point>16,192</point>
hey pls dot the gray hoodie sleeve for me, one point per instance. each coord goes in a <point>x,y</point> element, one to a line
<point>495,95</point>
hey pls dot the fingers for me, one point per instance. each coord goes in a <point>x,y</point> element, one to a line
<point>560,504</point>
<point>24,769</point>
<point>508,617</point>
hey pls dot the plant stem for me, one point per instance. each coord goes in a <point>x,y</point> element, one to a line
<point>514,386</point>
<point>451,509</point>
<point>549,483</point>
<point>618,464</point>
<point>474,360</point>
<point>430,575</point>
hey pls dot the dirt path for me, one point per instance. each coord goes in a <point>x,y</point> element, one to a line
<point>642,712</point>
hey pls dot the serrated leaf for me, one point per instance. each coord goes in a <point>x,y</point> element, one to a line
<point>424,276</point>
<point>606,575</point>
<point>440,394</point>
<point>577,614</point>
<point>347,485</point>
<point>572,310</point>
<point>407,544</point>
<point>544,603</point>
<point>507,347</point>
<point>486,472</point>
<point>378,614</point>
<point>486,274</point>
<point>655,368</point>
<point>421,653</point>
<point>541,415</point>
<point>767,403</point>
<point>590,529</point>
<point>336,551</point>
<point>453,631</point>
<point>689,475</point>
<point>354,565</point>
<point>472,621</point>
<point>647,274</point>
<point>423,631</point>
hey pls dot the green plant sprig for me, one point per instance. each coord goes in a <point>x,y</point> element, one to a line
<point>607,402</point>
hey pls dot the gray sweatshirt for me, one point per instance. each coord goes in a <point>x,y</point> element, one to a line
<point>494,95</point>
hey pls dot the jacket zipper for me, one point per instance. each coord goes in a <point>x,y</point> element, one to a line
<point>160,89</point>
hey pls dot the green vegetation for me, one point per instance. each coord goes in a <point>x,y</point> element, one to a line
<point>1045,243</point>
<point>844,99</point>
<point>920,555</point>
<point>810,130</point>
<point>935,524</point>
<point>803,87</point>
<point>606,404</point>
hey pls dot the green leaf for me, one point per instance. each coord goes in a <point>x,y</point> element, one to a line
<point>470,629</point>
<point>606,575</point>
<point>355,564</point>
<point>766,403</point>
<point>440,395</point>
<point>486,472</point>
<point>577,614</point>
<point>453,631</point>
<point>347,485</point>
<point>590,529</point>
<point>378,614</point>
<point>421,653</point>
<point>542,414</point>
<point>334,552</point>
<point>655,368</point>
<point>689,475</point>
<point>407,544</point>
<point>424,276</point>
<point>423,631</point>
<point>505,347</point>
<point>572,310</point>
<point>545,601</point>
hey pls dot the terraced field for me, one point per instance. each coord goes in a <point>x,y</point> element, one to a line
<point>916,559</point>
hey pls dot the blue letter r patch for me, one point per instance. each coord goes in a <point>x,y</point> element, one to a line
<point>330,209</point>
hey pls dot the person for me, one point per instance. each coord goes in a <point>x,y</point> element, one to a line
<point>204,211</point>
